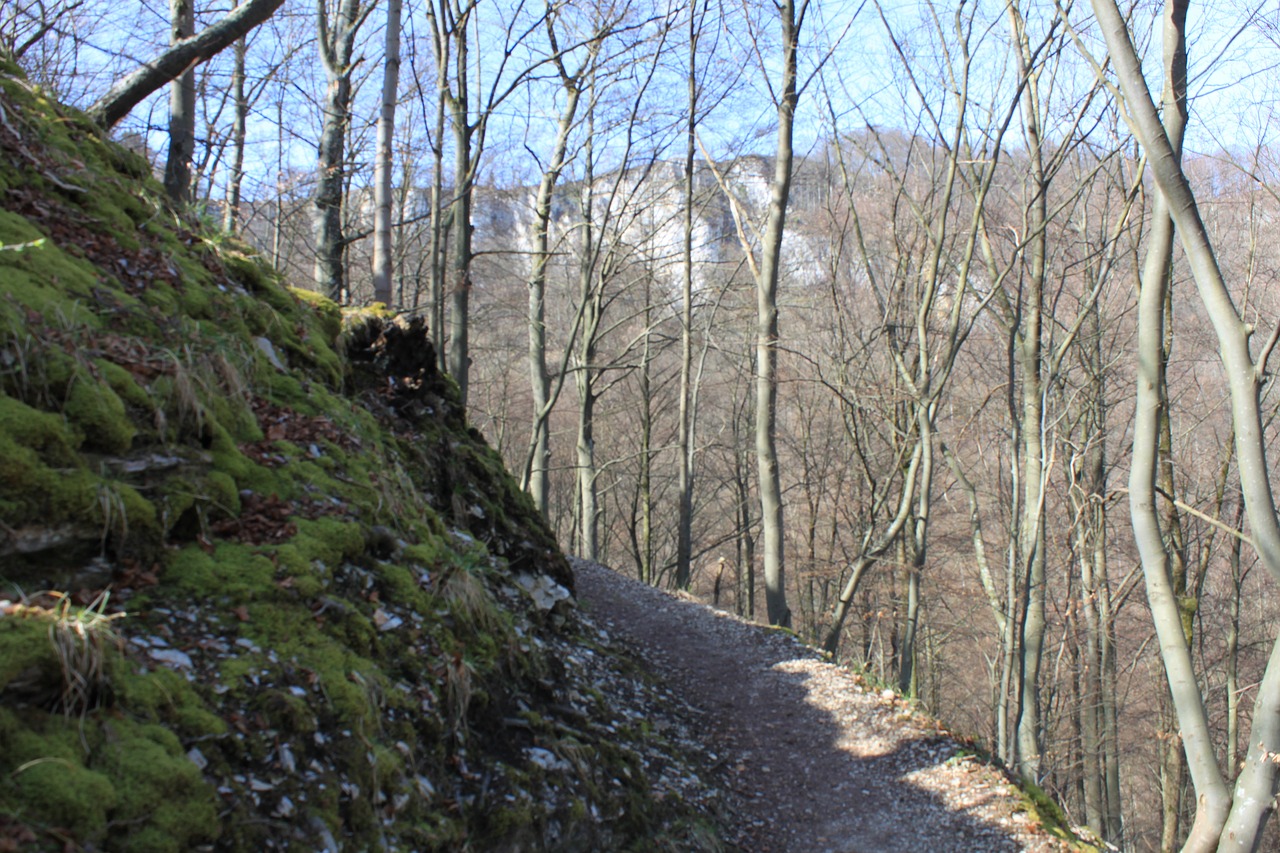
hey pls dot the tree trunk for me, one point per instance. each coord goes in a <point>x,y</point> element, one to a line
<point>1089,500</point>
<point>459,320</point>
<point>539,456</point>
<point>383,162</point>
<point>588,546</point>
<point>771,512</point>
<point>1031,529</point>
<point>337,43</point>
<point>438,223</point>
<point>646,436</point>
<point>231,214</point>
<point>182,110</point>
<point>684,437</point>
<point>919,551</point>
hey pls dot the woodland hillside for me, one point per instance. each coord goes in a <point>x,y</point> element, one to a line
<point>939,333</point>
<point>262,588</point>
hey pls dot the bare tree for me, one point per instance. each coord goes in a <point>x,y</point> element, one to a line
<point>1226,818</point>
<point>534,470</point>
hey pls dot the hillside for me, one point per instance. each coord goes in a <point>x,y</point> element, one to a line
<point>260,586</point>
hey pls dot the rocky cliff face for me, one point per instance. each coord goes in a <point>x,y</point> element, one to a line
<point>260,586</point>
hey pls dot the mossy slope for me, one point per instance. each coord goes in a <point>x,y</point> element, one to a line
<point>260,586</point>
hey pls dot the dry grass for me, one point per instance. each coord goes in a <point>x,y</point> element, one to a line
<point>81,637</point>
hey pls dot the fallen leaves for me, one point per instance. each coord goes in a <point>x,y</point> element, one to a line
<point>282,424</point>
<point>262,520</point>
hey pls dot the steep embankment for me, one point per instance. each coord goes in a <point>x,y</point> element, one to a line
<point>260,586</point>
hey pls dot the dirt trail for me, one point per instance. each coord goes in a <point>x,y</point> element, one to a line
<point>818,762</point>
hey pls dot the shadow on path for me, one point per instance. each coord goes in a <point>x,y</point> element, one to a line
<point>817,763</point>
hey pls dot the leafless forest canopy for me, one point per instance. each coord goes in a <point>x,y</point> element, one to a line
<point>965,208</point>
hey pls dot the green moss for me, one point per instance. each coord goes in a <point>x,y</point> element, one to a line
<point>123,509</point>
<point>32,490</point>
<point>286,712</point>
<point>236,416</point>
<point>164,695</point>
<point>99,414</point>
<point>159,790</point>
<point>1050,816</point>
<point>233,572</point>
<point>348,681</point>
<point>401,586</point>
<point>330,539</point>
<point>244,472</point>
<point>221,491</point>
<point>28,427</point>
<point>123,384</point>
<point>56,790</point>
<point>250,271</point>
<point>327,311</point>
<point>42,278</point>
<point>25,649</point>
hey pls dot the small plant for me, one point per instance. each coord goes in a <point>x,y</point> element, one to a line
<point>81,637</point>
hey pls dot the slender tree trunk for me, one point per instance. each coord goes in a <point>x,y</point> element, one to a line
<point>1114,823</point>
<point>588,546</point>
<point>231,213</point>
<point>646,436</point>
<point>1031,528</point>
<point>539,455</point>
<point>383,162</point>
<point>1173,771</point>
<point>771,511</point>
<point>919,551</point>
<point>745,539</point>
<point>1232,653</point>
<point>684,438</point>
<point>459,320</point>
<point>437,223</point>
<point>277,223</point>
<point>1031,539</point>
<point>337,44</point>
<point>1089,500</point>
<point>182,110</point>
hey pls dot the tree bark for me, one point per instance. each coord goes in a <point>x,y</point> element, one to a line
<point>1031,528</point>
<point>231,215</point>
<point>588,544</point>
<point>336,44</point>
<point>684,437</point>
<point>382,254</point>
<point>459,320</point>
<point>182,110</point>
<point>771,510</point>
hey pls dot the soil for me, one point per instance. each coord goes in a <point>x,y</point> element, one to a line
<point>812,758</point>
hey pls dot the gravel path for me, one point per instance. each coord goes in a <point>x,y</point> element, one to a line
<point>817,761</point>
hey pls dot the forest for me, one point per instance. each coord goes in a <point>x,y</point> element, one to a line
<point>936,332</point>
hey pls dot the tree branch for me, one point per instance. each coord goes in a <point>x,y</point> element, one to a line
<point>127,92</point>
